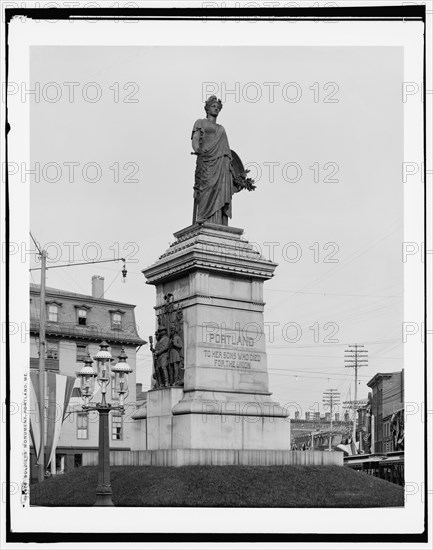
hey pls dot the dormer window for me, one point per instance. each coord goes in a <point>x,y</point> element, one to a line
<point>53,311</point>
<point>82,316</point>
<point>82,312</point>
<point>116,319</point>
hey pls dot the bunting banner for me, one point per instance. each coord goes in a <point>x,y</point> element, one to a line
<point>35,419</point>
<point>59,387</point>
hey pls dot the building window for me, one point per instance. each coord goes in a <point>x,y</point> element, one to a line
<point>116,426</point>
<point>114,395</point>
<point>53,313</point>
<point>52,350</point>
<point>60,464</point>
<point>82,425</point>
<point>82,351</point>
<point>82,316</point>
<point>116,321</point>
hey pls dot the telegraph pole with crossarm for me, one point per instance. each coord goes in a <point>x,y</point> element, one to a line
<point>331,398</point>
<point>355,357</point>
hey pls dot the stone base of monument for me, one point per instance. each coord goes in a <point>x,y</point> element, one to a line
<point>159,425</point>
<point>213,420</point>
<point>213,278</point>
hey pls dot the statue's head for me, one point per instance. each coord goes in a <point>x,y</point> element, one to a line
<point>162,332</point>
<point>213,102</point>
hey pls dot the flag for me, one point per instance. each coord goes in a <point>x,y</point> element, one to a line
<point>59,393</point>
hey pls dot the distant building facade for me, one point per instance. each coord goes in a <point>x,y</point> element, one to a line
<point>76,325</point>
<point>387,407</point>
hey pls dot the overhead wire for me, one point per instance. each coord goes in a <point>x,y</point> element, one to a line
<point>352,257</point>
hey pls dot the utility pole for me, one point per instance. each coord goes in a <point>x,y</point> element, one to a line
<point>331,398</point>
<point>42,325</point>
<point>355,357</point>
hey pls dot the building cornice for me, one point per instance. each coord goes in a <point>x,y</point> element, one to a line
<point>80,333</point>
<point>54,292</point>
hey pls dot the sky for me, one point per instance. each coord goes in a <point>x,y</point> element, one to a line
<point>321,130</point>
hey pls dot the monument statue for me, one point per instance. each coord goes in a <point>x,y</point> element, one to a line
<point>162,356</point>
<point>219,171</point>
<point>211,345</point>
<point>176,356</point>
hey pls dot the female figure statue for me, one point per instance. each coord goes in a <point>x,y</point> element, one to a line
<point>219,171</point>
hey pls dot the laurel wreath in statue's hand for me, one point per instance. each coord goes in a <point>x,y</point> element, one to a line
<point>241,181</point>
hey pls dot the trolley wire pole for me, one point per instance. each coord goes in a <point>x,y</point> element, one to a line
<point>355,357</point>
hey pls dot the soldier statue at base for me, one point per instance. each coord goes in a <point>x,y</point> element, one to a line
<point>162,356</point>
<point>176,347</point>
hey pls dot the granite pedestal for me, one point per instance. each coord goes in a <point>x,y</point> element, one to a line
<point>217,278</point>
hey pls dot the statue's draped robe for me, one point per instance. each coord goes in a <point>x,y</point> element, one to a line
<point>213,187</point>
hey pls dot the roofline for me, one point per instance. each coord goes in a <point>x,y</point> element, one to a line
<point>34,289</point>
<point>59,331</point>
<point>380,375</point>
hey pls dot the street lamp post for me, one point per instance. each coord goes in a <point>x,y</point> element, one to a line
<point>87,377</point>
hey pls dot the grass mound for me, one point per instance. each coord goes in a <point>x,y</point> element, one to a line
<point>223,486</point>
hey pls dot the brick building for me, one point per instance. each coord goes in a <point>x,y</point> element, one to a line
<point>386,406</point>
<point>76,325</point>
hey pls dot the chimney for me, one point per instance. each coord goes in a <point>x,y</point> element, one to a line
<point>97,286</point>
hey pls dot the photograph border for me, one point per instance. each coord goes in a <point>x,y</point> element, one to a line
<point>360,13</point>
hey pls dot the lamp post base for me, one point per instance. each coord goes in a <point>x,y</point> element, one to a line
<point>104,496</point>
